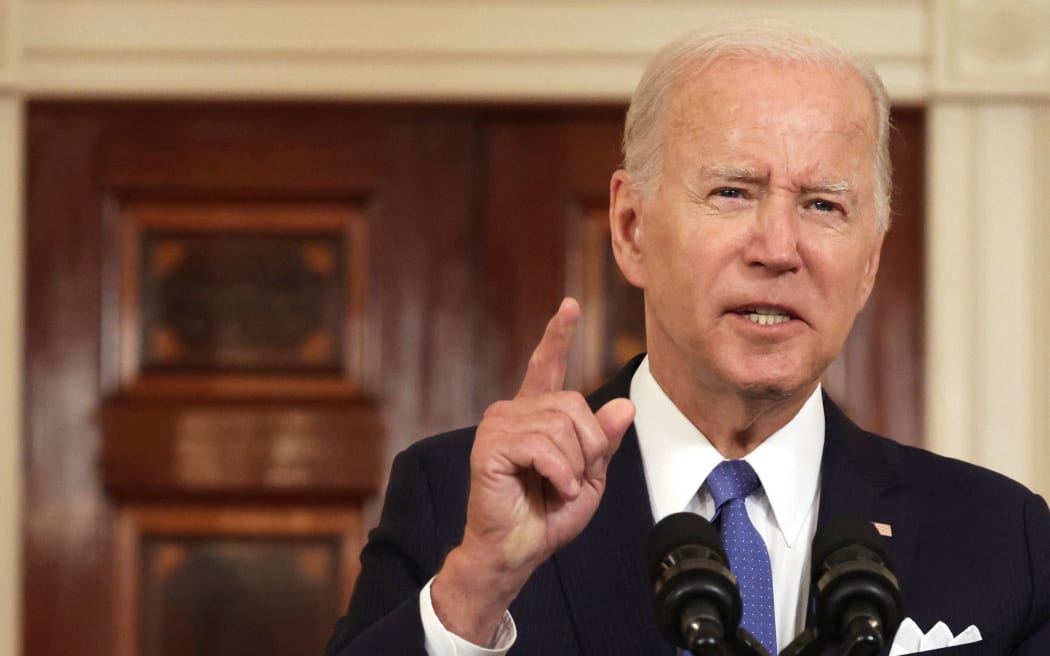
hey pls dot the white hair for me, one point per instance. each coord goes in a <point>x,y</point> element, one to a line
<point>762,40</point>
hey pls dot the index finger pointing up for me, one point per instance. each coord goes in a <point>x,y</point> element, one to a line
<point>546,370</point>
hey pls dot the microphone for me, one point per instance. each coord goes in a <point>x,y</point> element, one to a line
<point>697,600</point>
<point>858,597</point>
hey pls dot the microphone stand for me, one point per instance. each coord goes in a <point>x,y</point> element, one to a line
<point>747,645</point>
<point>863,638</point>
<point>743,644</point>
<point>806,644</point>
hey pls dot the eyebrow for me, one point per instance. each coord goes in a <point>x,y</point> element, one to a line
<point>837,187</point>
<point>733,174</point>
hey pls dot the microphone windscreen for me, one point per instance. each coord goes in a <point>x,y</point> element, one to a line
<point>842,531</point>
<point>679,530</point>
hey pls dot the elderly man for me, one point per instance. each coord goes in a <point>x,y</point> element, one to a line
<point>751,210</point>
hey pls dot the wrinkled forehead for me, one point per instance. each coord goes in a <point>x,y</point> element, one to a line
<point>799,124</point>
<point>754,92</point>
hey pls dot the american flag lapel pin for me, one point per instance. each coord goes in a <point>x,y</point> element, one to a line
<point>885,530</point>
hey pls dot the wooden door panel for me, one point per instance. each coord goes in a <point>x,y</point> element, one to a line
<point>548,176</point>
<point>213,291</point>
<point>254,581</point>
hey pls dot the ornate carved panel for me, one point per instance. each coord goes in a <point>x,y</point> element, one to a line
<point>203,581</point>
<point>1000,47</point>
<point>241,298</point>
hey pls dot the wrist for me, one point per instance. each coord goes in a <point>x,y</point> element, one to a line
<point>470,596</point>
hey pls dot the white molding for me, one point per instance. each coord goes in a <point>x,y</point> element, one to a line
<point>1041,353</point>
<point>8,44</point>
<point>1004,267</point>
<point>949,303</point>
<point>11,255</point>
<point>11,297</point>
<point>983,48</point>
<point>423,49</point>
<point>984,287</point>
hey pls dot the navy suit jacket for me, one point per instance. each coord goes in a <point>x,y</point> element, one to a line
<point>969,546</point>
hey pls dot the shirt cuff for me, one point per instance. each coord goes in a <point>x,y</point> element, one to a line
<point>442,642</point>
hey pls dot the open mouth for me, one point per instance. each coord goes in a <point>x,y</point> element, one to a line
<point>766,316</point>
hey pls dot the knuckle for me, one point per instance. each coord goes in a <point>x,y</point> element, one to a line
<point>497,409</point>
<point>572,401</point>
<point>577,398</point>
<point>562,423</point>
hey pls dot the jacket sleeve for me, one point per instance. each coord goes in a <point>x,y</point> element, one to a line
<point>400,557</point>
<point>1036,639</point>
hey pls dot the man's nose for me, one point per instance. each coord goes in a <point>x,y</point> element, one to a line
<point>775,233</point>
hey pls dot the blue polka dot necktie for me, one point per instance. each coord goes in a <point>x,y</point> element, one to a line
<point>730,483</point>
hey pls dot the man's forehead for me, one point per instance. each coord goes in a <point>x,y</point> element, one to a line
<point>732,83</point>
<point>730,105</point>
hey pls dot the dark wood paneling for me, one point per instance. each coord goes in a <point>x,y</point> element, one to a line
<point>238,298</point>
<point>546,172</point>
<point>203,581</point>
<point>425,275</point>
<point>477,221</point>
<point>228,437</point>
<point>230,451</point>
<point>66,534</point>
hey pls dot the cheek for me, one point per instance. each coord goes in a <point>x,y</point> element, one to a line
<point>681,259</point>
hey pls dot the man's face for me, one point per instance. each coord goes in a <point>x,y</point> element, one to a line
<point>758,246</point>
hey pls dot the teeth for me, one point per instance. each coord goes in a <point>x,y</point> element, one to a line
<point>767,316</point>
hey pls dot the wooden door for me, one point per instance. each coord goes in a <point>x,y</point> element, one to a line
<point>237,313</point>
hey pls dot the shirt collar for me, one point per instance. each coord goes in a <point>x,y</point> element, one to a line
<point>677,458</point>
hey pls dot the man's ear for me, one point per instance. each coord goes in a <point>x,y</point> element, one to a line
<point>626,227</point>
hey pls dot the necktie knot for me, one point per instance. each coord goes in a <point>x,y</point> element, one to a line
<point>732,479</point>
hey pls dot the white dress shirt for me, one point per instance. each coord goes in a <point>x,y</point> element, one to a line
<point>677,459</point>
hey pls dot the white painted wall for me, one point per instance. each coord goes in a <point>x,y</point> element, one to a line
<point>983,69</point>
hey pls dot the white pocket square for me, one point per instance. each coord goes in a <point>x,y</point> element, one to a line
<point>911,640</point>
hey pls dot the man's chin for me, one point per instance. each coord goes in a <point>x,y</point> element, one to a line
<point>772,380</point>
<point>774,388</point>
<point>766,391</point>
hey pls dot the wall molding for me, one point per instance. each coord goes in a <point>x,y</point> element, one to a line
<point>1041,309</point>
<point>8,44</point>
<point>11,292</point>
<point>424,49</point>
<point>985,386</point>
<point>986,48</point>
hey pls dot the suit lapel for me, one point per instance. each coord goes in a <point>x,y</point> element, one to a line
<point>603,572</point>
<point>861,475</point>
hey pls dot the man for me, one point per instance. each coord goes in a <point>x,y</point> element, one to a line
<point>751,210</point>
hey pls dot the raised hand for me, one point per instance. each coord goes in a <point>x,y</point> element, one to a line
<point>537,474</point>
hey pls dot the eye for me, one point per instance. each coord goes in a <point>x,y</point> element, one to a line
<point>825,206</point>
<point>729,192</point>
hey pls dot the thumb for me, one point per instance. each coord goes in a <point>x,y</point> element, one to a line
<point>615,417</point>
